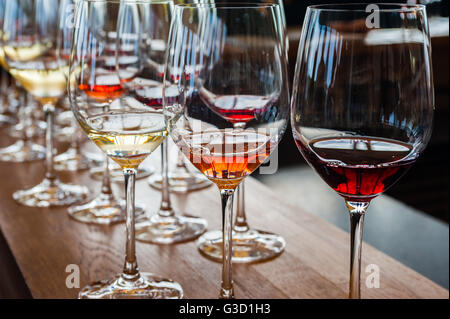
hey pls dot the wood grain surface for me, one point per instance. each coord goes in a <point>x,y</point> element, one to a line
<point>314,265</point>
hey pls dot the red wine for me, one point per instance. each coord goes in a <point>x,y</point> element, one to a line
<point>237,108</point>
<point>358,168</point>
<point>153,96</point>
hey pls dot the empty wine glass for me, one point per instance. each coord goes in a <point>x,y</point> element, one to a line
<point>363,102</point>
<point>227,62</point>
<point>126,133</point>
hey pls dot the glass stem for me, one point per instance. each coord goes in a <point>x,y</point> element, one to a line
<point>106,180</point>
<point>75,142</point>
<point>165,209</point>
<point>22,116</point>
<point>240,224</point>
<point>357,211</point>
<point>49,110</point>
<point>130,268</point>
<point>3,88</point>
<point>227,291</point>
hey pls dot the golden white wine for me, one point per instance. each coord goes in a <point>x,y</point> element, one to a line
<point>36,67</point>
<point>24,53</point>
<point>127,138</point>
<point>2,59</point>
<point>47,82</point>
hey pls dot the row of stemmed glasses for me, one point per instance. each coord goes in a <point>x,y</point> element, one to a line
<point>33,54</point>
<point>361,110</point>
<point>23,150</point>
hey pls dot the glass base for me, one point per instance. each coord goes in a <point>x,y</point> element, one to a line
<point>35,129</point>
<point>103,210</point>
<point>169,230</point>
<point>7,120</point>
<point>64,118</point>
<point>248,247</point>
<point>51,193</point>
<point>21,152</point>
<point>64,134</point>
<point>71,161</point>
<point>181,182</point>
<point>116,173</point>
<point>147,286</point>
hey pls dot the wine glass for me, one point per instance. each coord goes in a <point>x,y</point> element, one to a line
<point>32,54</point>
<point>226,59</point>
<point>249,245</point>
<point>141,71</point>
<point>23,150</point>
<point>363,102</point>
<point>127,133</point>
<point>73,158</point>
<point>102,90</point>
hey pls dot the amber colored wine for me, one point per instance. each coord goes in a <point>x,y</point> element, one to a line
<point>358,168</point>
<point>127,138</point>
<point>102,92</point>
<point>227,157</point>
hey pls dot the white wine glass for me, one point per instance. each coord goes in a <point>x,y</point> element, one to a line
<point>141,70</point>
<point>126,133</point>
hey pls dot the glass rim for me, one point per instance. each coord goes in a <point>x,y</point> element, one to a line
<point>361,7</point>
<point>227,5</point>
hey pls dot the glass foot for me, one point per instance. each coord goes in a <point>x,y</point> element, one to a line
<point>64,134</point>
<point>169,230</point>
<point>34,129</point>
<point>65,118</point>
<point>103,210</point>
<point>116,173</point>
<point>21,152</point>
<point>51,193</point>
<point>7,120</point>
<point>147,286</point>
<point>181,182</point>
<point>248,247</point>
<point>71,160</point>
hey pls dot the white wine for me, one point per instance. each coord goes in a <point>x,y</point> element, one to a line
<point>127,138</point>
<point>2,59</point>
<point>24,53</point>
<point>47,82</point>
<point>38,70</point>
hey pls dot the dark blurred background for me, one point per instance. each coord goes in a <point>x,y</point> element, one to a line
<point>426,186</point>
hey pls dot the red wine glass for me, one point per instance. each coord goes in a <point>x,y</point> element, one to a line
<point>363,101</point>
